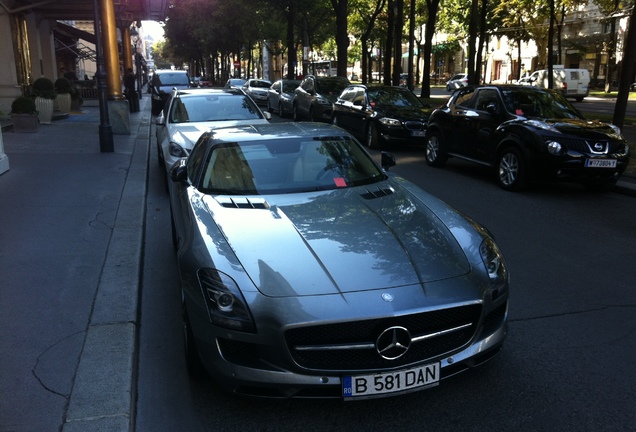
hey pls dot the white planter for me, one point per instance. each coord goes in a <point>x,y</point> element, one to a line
<point>63,102</point>
<point>45,109</point>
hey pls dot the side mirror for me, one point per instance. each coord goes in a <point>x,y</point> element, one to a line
<point>160,120</point>
<point>267,115</point>
<point>491,108</point>
<point>178,171</point>
<point>388,160</point>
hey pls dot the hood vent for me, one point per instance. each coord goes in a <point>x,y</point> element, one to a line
<point>378,193</point>
<point>243,203</point>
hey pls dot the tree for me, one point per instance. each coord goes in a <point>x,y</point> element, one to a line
<point>342,36</point>
<point>432,8</point>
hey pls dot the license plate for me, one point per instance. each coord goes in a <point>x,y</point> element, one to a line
<point>600,163</point>
<point>418,133</point>
<point>390,382</point>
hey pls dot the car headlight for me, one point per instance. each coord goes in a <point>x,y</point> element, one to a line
<point>554,148</point>
<point>390,122</point>
<point>225,302</point>
<point>322,101</point>
<point>495,266</point>
<point>156,96</point>
<point>176,150</point>
<point>616,130</point>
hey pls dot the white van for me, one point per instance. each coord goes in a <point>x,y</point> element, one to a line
<point>573,83</point>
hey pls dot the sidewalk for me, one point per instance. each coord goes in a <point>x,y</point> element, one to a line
<point>71,238</point>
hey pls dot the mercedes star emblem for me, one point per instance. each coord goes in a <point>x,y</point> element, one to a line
<point>393,343</point>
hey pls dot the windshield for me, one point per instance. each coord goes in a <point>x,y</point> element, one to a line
<point>290,86</point>
<point>213,107</point>
<point>167,79</point>
<point>539,104</point>
<point>330,87</point>
<point>393,97</point>
<point>260,84</point>
<point>287,165</point>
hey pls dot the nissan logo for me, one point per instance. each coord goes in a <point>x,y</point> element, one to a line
<point>393,343</point>
<point>598,146</point>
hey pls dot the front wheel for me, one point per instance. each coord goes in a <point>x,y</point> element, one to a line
<point>511,170</point>
<point>193,361</point>
<point>435,155</point>
<point>372,136</point>
<point>295,115</point>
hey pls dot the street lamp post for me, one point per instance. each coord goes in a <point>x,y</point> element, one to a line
<point>135,39</point>
<point>106,144</point>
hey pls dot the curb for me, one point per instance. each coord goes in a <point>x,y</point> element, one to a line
<point>103,396</point>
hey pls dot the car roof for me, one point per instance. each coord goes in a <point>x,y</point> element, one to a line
<point>213,90</point>
<point>276,131</point>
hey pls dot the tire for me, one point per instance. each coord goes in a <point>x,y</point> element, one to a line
<point>334,120</point>
<point>372,140</point>
<point>511,170</point>
<point>435,153</point>
<point>193,360</point>
<point>155,107</point>
<point>295,115</point>
<point>579,99</point>
<point>160,158</point>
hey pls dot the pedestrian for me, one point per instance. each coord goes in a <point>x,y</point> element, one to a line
<point>130,92</point>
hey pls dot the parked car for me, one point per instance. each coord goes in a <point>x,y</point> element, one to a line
<point>525,133</point>
<point>572,83</point>
<point>315,95</point>
<point>382,115</point>
<point>161,85</point>
<point>307,270</point>
<point>457,81</point>
<point>189,113</point>
<point>257,89</point>
<point>234,82</point>
<point>280,96</point>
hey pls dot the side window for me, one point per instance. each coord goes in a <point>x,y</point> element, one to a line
<point>348,95</point>
<point>486,97</point>
<point>465,99</point>
<point>359,97</point>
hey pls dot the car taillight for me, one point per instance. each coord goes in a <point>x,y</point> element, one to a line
<point>564,86</point>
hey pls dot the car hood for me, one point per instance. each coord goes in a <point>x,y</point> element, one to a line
<point>339,241</point>
<point>186,134</point>
<point>404,113</point>
<point>588,129</point>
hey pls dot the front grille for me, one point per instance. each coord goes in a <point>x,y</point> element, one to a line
<point>414,125</point>
<point>360,336</point>
<point>587,146</point>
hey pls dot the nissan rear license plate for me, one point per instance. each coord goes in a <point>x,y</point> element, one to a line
<point>600,163</point>
<point>390,382</point>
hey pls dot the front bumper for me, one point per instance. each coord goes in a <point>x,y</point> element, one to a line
<point>246,368</point>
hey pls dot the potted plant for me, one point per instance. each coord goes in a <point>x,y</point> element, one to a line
<point>64,89</point>
<point>44,92</point>
<point>24,114</point>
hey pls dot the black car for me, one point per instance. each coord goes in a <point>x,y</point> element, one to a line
<point>382,115</point>
<point>161,85</point>
<point>525,133</point>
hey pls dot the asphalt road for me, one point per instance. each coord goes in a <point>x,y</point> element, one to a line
<point>566,364</point>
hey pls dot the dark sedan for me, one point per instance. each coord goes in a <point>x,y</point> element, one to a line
<point>526,133</point>
<point>382,115</point>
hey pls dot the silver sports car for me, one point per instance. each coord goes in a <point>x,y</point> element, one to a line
<point>308,270</point>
